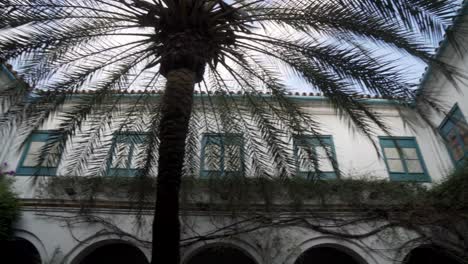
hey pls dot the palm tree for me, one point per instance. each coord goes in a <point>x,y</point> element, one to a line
<point>63,46</point>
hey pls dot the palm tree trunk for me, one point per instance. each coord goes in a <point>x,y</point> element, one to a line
<point>177,103</point>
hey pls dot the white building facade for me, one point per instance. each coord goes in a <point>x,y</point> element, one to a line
<point>51,228</point>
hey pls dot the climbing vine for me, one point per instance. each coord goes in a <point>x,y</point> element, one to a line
<point>438,214</point>
<point>9,206</point>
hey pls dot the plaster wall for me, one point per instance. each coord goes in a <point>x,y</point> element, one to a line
<point>356,155</point>
<point>449,90</point>
<point>59,242</point>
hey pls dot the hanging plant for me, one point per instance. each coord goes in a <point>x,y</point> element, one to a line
<point>9,206</point>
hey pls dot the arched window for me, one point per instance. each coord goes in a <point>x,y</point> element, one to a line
<point>19,250</point>
<point>326,255</point>
<point>430,255</point>
<point>221,254</point>
<point>119,253</point>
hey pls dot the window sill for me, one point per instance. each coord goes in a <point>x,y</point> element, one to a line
<point>32,171</point>
<point>410,177</point>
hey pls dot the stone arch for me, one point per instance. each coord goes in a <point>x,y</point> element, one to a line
<point>429,254</point>
<point>330,254</point>
<point>33,239</point>
<point>232,248</point>
<point>103,243</point>
<point>342,247</point>
<point>25,248</point>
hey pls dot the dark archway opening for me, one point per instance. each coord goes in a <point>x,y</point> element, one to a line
<point>115,254</point>
<point>221,254</point>
<point>430,255</point>
<point>325,255</point>
<point>19,250</point>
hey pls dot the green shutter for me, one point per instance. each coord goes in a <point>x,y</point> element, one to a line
<point>453,131</point>
<point>313,144</point>
<point>403,159</point>
<point>27,169</point>
<point>225,162</point>
<point>128,140</point>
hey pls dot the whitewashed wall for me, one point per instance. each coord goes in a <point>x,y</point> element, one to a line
<point>59,243</point>
<point>356,156</point>
<point>448,91</point>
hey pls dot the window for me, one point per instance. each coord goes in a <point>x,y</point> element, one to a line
<point>403,159</point>
<point>125,152</point>
<point>315,157</point>
<point>454,130</point>
<point>30,163</point>
<point>222,155</point>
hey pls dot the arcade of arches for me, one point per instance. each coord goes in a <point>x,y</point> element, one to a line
<point>22,251</point>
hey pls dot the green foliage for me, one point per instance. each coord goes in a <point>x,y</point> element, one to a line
<point>9,207</point>
<point>433,212</point>
<point>240,192</point>
<point>453,191</point>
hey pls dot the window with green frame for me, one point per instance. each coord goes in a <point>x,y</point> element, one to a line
<point>454,130</point>
<point>30,162</point>
<point>125,151</point>
<point>222,155</point>
<point>403,159</point>
<point>315,157</point>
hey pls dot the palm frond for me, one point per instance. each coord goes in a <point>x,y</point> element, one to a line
<point>105,47</point>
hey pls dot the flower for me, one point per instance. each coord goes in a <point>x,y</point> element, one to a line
<point>3,166</point>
